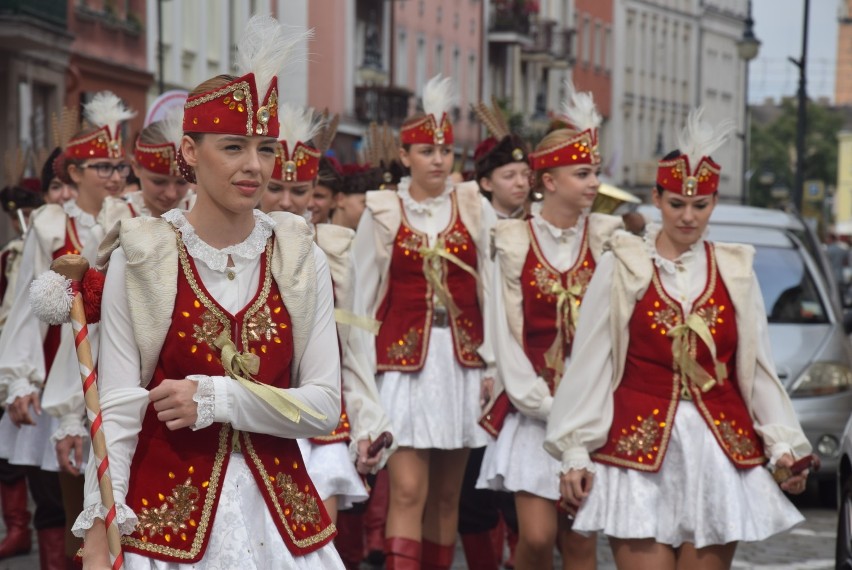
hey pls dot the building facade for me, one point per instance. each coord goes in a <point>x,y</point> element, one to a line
<point>669,57</point>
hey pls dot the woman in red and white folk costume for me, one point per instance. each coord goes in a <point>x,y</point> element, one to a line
<point>671,403</point>
<point>215,353</point>
<point>95,162</point>
<point>328,458</point>
<point>543,267</point>
<point>422,261</point>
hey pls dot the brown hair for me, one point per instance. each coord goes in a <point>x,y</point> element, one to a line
<point>550,140</point>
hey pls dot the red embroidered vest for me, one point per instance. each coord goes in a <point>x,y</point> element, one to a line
<point>542,286</point>
<point>176,476</point>
<point>72,245</point>
<point>406,311</point>
<point>651,387</point>
<point>342,431</point>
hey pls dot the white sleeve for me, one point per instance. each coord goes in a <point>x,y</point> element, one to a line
<point>774,417</point>
<point>526,389</point>
<point>366,276</point>
<point>486,270</point>
<point>583,405</point>
<point>63,392</point>
<point>123,399</point>
<point>21,342</point>
<point>317,381</point>
<point>367,417</point>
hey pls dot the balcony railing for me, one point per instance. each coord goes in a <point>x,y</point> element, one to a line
<point>508,21</point>
<point>380,104</point>
<point>50,11</point>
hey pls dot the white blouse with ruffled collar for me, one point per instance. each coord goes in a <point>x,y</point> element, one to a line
<point>685,277</point>
<point>560,246</point>
<point>217,259</point>
<point>430,216</point>
<point>83,218</point>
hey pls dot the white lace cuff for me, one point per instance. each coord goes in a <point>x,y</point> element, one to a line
<point>205,397</point>
<point>577,464</point>
<point>70,426</point>
<point>124,516</point>
<point>19,388</point>
<point>777,450</point>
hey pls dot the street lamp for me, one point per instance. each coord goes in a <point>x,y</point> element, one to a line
<point>748,47</point>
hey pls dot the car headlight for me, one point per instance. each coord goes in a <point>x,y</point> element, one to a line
<point>822,378</point>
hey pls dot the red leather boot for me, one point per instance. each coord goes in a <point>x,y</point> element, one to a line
<point>479,551</point>
<point>375,517</point>
<point>16,516</point>
<point>512,539</point>
<point>51,548</point>
<point>350,539</point>
<point>402,554</point>
<point>439,556</point>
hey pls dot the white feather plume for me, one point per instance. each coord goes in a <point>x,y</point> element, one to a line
<point>51,297</point>
<point>170,127</point>
<point>297,124</point>
<point>699,138</point>
<point>438,96</point>
<point>266,47</point>
<point>579,108</point>
<point>106,109</point>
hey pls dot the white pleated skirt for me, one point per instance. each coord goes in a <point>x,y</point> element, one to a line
<point>29,445</point>
<point>437,407</point>
<point>243,536</point>
<point>516,460</point>
<point>333,472</point>
<point>698,496</point>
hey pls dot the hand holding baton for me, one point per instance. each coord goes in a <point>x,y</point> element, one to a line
<point>384,441</point>
<point>57,297</point>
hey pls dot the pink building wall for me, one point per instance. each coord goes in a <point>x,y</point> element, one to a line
<point>586,75</point>
<point>456,25</point>
<point>327,56</point>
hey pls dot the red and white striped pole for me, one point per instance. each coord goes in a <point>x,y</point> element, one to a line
<point>74,267</point>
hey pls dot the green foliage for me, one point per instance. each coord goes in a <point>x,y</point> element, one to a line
<point>773,150</point>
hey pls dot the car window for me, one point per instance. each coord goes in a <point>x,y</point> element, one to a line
<point>788,288</point>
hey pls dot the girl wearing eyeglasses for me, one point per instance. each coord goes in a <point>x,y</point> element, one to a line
<point>94,161</point>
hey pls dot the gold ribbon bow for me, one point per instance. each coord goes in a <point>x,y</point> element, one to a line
<point>242,366</point>
<point>686,362</point>
<point>344,317</point>
<point>567,309</point>
<point>434,273</point>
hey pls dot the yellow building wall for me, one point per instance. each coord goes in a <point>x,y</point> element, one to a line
<point>843,194</point>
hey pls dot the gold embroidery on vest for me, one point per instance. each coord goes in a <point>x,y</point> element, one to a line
<point>711,315</point>
<point>322,534</point>
<point>302,508</point>
<point>260,325</point>
<point>663,319</point>
<point>174,513</point>
<point>640,439</point>
<point>465,343</point>
<point>404,348</point>
<point>206,511</point>
<point>209,330</point>
<point>736,439</point>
